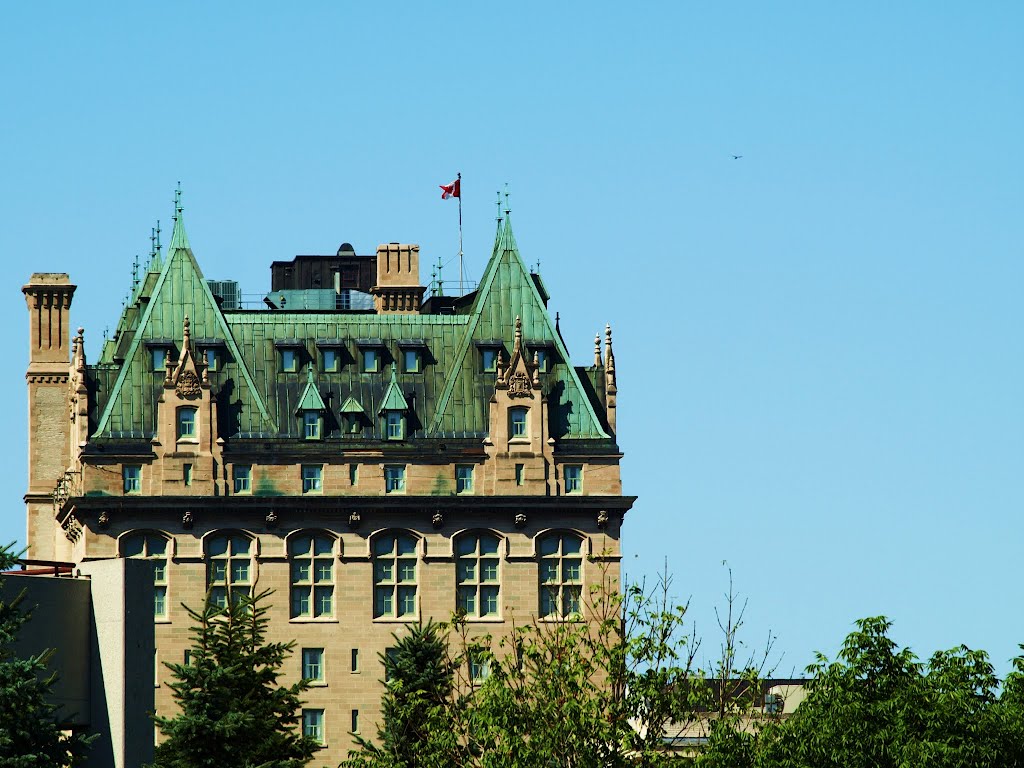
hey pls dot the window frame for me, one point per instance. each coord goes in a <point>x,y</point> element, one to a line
<point>514,422</point>
<point>131,479</point>
<point>395,586</point>
<point>562,593</point>
<point>394,425</point>
<point>318,664</point>
<point>289,360</point>
<point>576,480</point>
<point>193,423</point>
<point>312,478</point>
<point>412,354</point>
<point>314,725</point>
<point>370,360</point>
<point>220,588</point>
<point>308,588</point>
<point>464,479</point>
<point>164,353</point>
<point>331,364</point>
<point>473,589</point>
<point>212,357</point>
<point>237,475</point>
<point>489,359</point>
<point>394,478</point>
<point>314,420</point>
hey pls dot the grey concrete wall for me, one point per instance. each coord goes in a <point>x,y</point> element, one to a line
<point>60,622</point>
<point>122,659</point>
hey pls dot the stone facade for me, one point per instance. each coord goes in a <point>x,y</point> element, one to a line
<point>350,462</point>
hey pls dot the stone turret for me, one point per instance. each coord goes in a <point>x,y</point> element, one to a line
<point>398,289</point>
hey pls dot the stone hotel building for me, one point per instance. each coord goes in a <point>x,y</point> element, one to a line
<point>373,455</point>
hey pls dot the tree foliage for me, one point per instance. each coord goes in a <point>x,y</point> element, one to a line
<point>30,736</point>
<point>878,706</point>
<point>233,712</point>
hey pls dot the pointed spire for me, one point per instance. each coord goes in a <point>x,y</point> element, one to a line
<point>178,237</point>
<point>311,399</point>
<point>609,355</point>
<point>393,400</point>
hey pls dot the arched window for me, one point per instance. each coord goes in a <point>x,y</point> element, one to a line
<point>561,575</point>
<point>477,576</point>
<point>151,547</point>
<point>187,423</point>
<point>394,576</point>
<point>312,576</point>
<point>517,422</point>
<point>229,567</point>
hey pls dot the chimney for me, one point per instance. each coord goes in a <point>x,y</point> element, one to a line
<point>398,289</point>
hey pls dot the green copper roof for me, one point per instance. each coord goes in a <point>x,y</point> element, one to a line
<point>447,398</point>
<point>310,399</point>
<point>393,399</point>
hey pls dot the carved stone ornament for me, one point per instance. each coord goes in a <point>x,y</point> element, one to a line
<point>519,385</point>
<point>271,519</point>
<point>103,520</point>
<point>520,519</point>
<point>602,519</point>
<point>437,520</point>
<point>187,520</point>
<point>188,385</point>
<point>354,519</point>
<point>72,529</point>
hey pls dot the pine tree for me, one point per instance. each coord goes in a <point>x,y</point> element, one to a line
<point>233,712</point>
<point>417,727</point>
<point>29,734</point>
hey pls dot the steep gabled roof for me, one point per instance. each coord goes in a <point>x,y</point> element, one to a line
<point>506,290</point>
<point>179,290</point>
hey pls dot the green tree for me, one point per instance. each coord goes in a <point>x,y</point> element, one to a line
<point>30,737</point>
<point>418,725</point>
<point>233,712</point>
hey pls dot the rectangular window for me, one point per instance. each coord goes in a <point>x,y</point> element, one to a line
<point>353,474</point>
<point>489,359</point>
<point>131,475</point>
<point>331,361</point>
<point>313,664</point>
<point>411,359</point>
<point>395,425</point>
<point>573,476</point>
<point>312,478</point>
<point>312,421</point>
<point>289,360</point>
<point>355,659</point>
<point>355,721</point>
<point>211,359</point>
<point>520,472</point>
<point>186,472</point>
<point>159,356</point>
<point>313,724</point>
<point>394,479</point>
<point>542,360</point>
<point>464,478</point>
<point>517,422</point>
<point>186,423</point>
<point>479,667</point>
<point>187,659</point>
<point>243,478</point>
<point>371,360</point>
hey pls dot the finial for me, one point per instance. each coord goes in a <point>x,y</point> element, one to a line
<point>158,237</point>
<point>519,331</point>
<point>499,366</point>
<point>609,355</point>
<point>597,350</point>
<point>186,335</point>
<point>508,210</point>
<point>152,242</point>
<point>309,373</point>
<point>557,318</point>
<point>177,202</point>
<point>135,273</point>
<point>440,280</point>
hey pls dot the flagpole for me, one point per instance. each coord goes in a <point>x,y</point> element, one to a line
<point>459,178</point>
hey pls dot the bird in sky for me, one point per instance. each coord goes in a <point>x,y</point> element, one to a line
<point>736,157</point>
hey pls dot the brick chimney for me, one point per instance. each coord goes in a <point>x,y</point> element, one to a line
<point>398,289</point>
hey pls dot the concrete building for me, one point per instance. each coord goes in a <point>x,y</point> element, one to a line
<point>373,457</point>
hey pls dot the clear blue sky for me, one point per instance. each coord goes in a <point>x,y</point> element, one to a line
<point>819,344</point>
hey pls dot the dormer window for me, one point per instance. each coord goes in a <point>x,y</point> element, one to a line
<point>212,360</point>
<point>159,357</point>
<point>395,425</point>
<point>332,363</point>
<point>289,360</point>
<point>159,352</point>
<point>331,353</point>
<point>313,425</point>
<point>489,350</point>
<point>411,361</point>
<point>371,360</point>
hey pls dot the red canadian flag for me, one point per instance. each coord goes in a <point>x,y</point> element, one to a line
<point>451,190</point>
